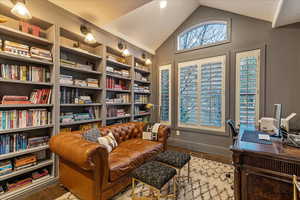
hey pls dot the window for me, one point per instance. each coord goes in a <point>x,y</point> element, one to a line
<point>205,34</point>
<point>247,95</point>
<point>165,93</point>
<point>201,94</point>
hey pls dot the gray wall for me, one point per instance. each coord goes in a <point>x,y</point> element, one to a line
<point>279,78</point>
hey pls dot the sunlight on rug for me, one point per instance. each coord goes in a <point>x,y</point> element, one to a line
<point>210,181</point>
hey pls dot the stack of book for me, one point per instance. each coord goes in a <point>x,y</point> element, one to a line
<point>18,184</point>
<point>66,79</point>
<point>116,112</point>
<point>112,83</point>
<point>68,63</point>
<point>83,66</point>
<point>37,141</point>
<point>120,72</point>
<point>39,175</point>
<point>138,98</point>
<point>16,48</point>
<point>118,98</point>
<point>141,88</point>
<point>25,73</point>
<point>5,167</point>
<point>41,96</point>
<point>140,76</point>
<point>80,82</point>
<point>40,53</point>
<point>115,58</point>
<point>24,161</point>
<point>92,82</point>
<point>15,100</point>
<point>11,119</point>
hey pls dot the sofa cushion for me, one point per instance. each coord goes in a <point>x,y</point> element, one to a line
<point>131,154</point>
<point>92,135</point>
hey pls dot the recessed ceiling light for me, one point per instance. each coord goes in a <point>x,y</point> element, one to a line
<point>163,3</point>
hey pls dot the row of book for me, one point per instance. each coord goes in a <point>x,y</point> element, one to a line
<point>141,88</point>
<point>25,50</point>
<point>11,119</point>
<point>18,142</point>
<point>145,119</point>
<point>117,121</point>
<point>142,67</point>
<point>140,98</point>
<point>138,110</point>
<point>89,114</point>
<point>17,183</point>
<point>25,73</point>
<point>116,58</point>
<point>117,98</point>
<point>140,76</point>
<point>116,112</point>
<point>119,72</point>
<point>37,96</point>
<point>89,82</point>
<point>113,83</point>
<point>74,96</point>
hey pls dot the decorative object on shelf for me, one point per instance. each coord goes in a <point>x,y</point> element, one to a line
<point>89,37</point>
<point>147,60</point>
<point>28,28</point>
<point>20,10</point>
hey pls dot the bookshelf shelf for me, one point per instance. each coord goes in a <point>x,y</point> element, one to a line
<point>80,87</point>
<point>19,191</point>
<point>142,70</point>
<point>118,64</point>
<point>19,153</point>
<point>80,122</point>
<point>118,104</point>
<point>80,105</point>
<point>117,90</point>
<point>80,52</point>
<point>80,70</point>
<point>14,57</point>
<point>120,117</point>
<point>144,114</point>
<point>25,105</point>
<point>25,82</point>
<point>25,170</point>
<point>140,81</point>
<point>117,76</point>
<point>24,36</point>
<point>24,129</point>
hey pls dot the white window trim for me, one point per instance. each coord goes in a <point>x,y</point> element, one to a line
<point>200,62</point>
<point>201,24</point>
<point>255,53</point>
<point>164,67</point>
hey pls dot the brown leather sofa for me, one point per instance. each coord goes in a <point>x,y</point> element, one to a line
<point>90,172</point>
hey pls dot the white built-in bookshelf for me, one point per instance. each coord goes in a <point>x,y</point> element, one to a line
<point>120,95</point>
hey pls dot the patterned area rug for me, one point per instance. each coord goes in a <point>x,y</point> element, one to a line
<point>209,181</point>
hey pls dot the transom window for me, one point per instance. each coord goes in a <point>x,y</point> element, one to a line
<point>204,34</point>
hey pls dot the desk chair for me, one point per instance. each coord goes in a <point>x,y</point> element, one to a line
<point>234,135</point>
<point>296,188</point>
<point>233,131</point>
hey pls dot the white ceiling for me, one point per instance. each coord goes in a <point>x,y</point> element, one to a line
<point>144,24</point>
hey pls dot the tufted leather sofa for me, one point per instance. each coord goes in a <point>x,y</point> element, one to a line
<point>90,172</point>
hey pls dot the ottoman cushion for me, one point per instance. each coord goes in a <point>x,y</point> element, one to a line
<point>154,174</point>
<point>173,158</point>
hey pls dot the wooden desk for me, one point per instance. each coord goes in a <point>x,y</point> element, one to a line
<point>264,172</point>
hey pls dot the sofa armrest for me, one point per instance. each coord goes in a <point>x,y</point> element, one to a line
<point>163,134</point>
<point>75,149</point>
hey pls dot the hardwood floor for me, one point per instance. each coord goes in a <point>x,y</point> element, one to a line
<point>56,190</point>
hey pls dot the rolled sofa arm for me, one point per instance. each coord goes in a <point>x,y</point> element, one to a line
<point>75,149</point>
<point>163,134</point>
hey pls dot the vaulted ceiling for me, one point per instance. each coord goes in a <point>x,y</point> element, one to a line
<point>145,24</point>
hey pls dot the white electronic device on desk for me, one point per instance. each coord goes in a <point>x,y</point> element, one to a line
<point>269,124</point>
